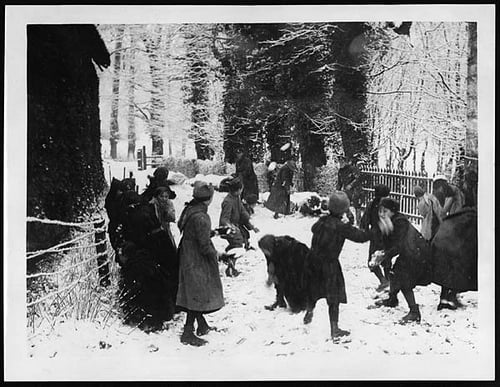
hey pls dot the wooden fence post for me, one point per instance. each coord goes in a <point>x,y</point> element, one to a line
<point>101,250</point>
<point>139,159</point>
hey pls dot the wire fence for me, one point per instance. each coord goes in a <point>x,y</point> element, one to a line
<point>73,279</point>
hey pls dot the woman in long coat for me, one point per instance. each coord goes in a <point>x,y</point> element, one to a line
<point>279,197</point>
<point>248,178</point>
<point>200,287</point>
<point>329,235</point>
<point>413,265</point>
<point>164,210</point>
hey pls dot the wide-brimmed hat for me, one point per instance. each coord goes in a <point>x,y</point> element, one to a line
<point>390,204</point>
<point>338,203</point>
<point>202,190</point>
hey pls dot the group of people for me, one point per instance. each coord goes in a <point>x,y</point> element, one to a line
<point>192,267</point>
<point>401,256</point>
<point>159,278</point>
<point>393,235</point>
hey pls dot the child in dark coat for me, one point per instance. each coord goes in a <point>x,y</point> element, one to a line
<point>329,235</point>
<point>412,266</point>
<point>369,221</point>
<point>234,216</point>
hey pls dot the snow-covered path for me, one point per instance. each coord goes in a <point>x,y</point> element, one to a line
<point>246,328</point>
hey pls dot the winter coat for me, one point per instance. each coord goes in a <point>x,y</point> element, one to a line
<point>165,212</point>
<point>431,211</point>
<point>200,287</point>
<point>349,181</point>
<point>329,235</point>
<point>369,222</point>
<point>413,265</point>
<point>455,201</point>
<point>455,251</point>
<point>279,197</point>
<point>244,169</point>
<point>234,213</point>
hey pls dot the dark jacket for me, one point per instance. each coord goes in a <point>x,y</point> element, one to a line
<point>234,213</point>
<point>455,251</point>
<point>413,266</point>
<point>244,169</point>
<point>349,181</point>
<point>329,235</point>
<point>200,287</point>
<point>279,197</point>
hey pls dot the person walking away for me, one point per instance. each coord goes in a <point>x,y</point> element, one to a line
<point>248,178</point>
<point>200,287</point>
<point>234,216</point>
<point>349,181</point>
<point>279,198</point>
<point>370,221</point>
<point>329,235</point>
<point>412,266</point>
<point>164,210</point>
<point>452,200</point>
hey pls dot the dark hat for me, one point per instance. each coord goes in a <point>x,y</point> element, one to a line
<point>161,189</point>
<point>418,191</point>
<point>234,184</point>
<point>160,173</point>
<point>338,203</point>
<point>382,190</point>
<point>202,191</point>
<point>390,204</point>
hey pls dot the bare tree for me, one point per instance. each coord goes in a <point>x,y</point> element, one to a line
<point>114,127</point>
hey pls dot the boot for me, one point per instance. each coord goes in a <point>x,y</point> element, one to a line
<point>446,304</point>
<point>413,315</point>
<point>336,332</point>
<point>189,338</point>
<point>390,302</point>
<point>384,284</point>
<point>308,317</point>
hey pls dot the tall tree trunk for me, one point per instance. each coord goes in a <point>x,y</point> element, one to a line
<point>470,176</point>
<point>157,66</point>
<point>114,131</point>
<point>422,161</point>
<point>131,99</point>
<point>349,95</point>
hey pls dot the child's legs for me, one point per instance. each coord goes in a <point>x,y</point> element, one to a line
<point>409,297</point>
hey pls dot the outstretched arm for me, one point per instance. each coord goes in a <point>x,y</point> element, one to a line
<point>355,234</point>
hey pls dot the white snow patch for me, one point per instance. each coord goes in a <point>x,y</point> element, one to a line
<point>245,327</point>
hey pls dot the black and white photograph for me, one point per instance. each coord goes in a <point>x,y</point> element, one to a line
<point>249,193</point>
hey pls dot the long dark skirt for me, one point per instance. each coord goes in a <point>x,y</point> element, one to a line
<point>147,289</point>
<point>279,200</point>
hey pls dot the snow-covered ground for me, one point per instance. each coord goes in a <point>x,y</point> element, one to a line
<point>246,329</point>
